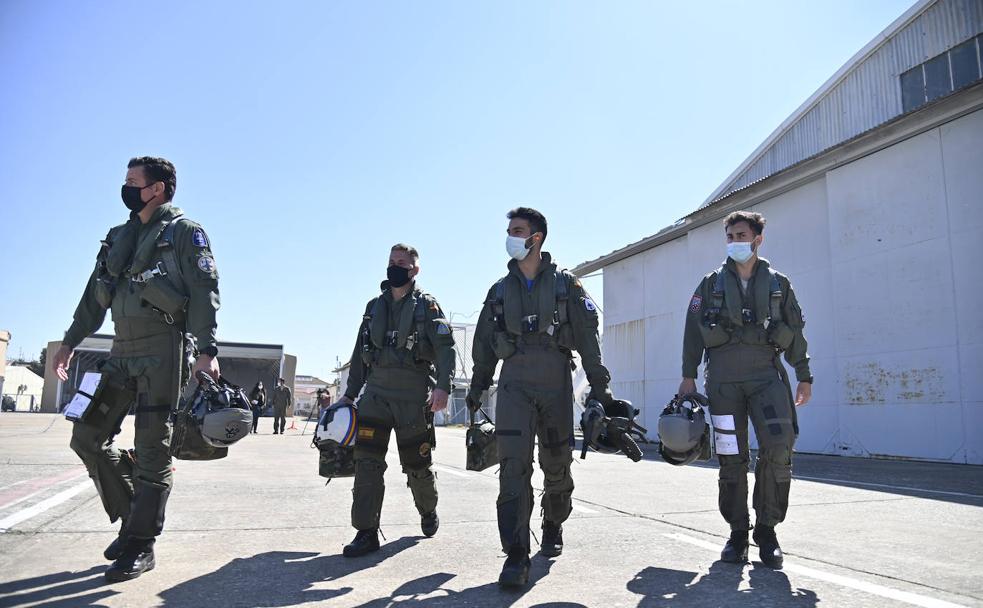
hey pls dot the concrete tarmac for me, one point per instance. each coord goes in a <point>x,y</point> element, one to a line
<point>260,528</point>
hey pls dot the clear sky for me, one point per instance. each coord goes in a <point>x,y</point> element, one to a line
<point>311,136</point>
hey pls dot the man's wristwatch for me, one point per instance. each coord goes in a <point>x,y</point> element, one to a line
<point>211,351</point>
<point>808,380</point>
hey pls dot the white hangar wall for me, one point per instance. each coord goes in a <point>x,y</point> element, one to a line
<point>884,255</point>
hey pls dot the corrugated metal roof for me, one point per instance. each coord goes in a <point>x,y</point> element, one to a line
<point>864,93</point>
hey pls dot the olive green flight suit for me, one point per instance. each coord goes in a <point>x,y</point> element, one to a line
<point>534,331</point>
<point>404,349</point>
<point>281,401</point>
<point>743,332</point>
<point>150,356</point>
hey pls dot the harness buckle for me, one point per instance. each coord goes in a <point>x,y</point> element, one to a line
<point>530,323</point>
<point>157,271</point>
<point>392,338</point>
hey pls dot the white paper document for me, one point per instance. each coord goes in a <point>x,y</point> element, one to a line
<point>723,423</point>
<point>726,444</point>
<point>83,397</point>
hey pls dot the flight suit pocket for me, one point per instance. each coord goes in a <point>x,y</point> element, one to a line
<point>502,345</point>
<point>781,335</point>
<point>163,297</point>
<point>714,336</point>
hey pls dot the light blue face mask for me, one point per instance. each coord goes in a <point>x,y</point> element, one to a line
<point>739,252</point>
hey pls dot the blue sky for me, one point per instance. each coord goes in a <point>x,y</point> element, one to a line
<point>310,136</point>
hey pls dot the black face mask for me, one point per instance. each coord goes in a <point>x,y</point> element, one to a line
<point>398,276</point>
<point>131,197</point>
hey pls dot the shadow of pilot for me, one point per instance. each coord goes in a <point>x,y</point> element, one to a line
<point>663,587</point>
<point>275,578</point>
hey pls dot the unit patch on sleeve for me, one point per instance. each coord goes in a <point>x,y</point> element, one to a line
<point>589,304</point>
<point>206,264</point>
<point>198,238</point>
<point>696,304</point>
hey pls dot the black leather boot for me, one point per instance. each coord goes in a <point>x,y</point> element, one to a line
<point>552,539</point>
<point>136,558</point>
<point>771,554</point>
<point>735,551</point>
<point>115,548</point>
<point>429,524</point>
<point>365,542</point>
<point>515,573</point>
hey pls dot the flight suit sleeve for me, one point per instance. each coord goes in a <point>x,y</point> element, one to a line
<point>692,338</point>
<point>584,321</point>
<point>357,370</point>
<point>289,394</point>
<point>89,315</point>
<point>482,352</point>
<point>441,335</point>
<point>797,354</point>
<point>200,274</point>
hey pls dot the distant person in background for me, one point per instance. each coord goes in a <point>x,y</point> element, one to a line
<point>281,401</point>
<point>258,398</point>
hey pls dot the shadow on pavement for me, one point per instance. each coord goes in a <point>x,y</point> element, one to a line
<point>490,594</point>
<point>40,589</point>
<point>276,578</point>
<point>662,587</point>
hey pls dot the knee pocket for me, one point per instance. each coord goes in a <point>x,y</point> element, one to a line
<point>370,465</point>
<point>732,467</point>
<point>512,468</point>
<point>85,441</point>
<point>778,455</point>
<point>414,449</point>
<point>555,473</point>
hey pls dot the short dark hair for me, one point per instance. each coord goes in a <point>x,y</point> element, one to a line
<point>157,169</point>
<point>408,249</point>
<point>536,219</point>
<point>754,219</point>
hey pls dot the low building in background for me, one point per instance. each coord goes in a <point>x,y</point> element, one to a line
<point>305,394</point>
<point>242,363</point>
<point>22,389</point>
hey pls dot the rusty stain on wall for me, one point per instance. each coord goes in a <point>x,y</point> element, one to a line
<point>871,383</point>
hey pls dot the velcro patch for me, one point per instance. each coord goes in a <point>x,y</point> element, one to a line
<point>198,238</point>
<point>366,432</point>
<point>696,304</point>
<point>589,304</point>
<point>206,264</point>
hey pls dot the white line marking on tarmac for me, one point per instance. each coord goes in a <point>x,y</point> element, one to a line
<point>24,514</point>
<point>886,592</point>
<point>41,491</point>
<point>449,470</point>
<point>884,485</point>
<point>581,509</point>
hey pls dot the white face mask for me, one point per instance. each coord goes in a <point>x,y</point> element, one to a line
<point>516,246</point>
<point>739,252</point>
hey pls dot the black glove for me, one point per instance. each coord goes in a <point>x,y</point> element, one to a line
<point>601,394</point>
<point>473,401</point>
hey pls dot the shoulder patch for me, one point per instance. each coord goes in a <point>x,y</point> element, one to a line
<point>589,304</point>
<point>696,304</point>
<point>206,263</point>
<point>443,328</point>
<point>198,238</point>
